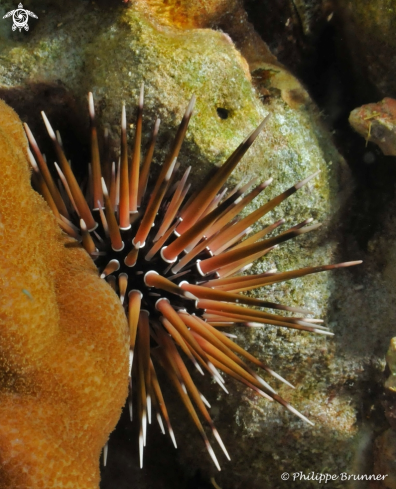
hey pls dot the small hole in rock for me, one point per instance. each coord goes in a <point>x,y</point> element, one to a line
<point>222,113</point>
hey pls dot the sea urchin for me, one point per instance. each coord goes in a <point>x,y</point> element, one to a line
<point>144,236</point>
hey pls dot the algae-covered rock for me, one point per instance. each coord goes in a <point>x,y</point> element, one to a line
<point>81,47</point>
<point>377,123</point>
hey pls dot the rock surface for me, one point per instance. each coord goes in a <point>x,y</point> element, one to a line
<point>385,444</point>
<point>377,123</point>
<point>368,34</point>
<point>391,362</point>
<point>109,50</point>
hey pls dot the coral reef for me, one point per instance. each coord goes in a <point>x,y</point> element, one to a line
<point>80,46</point>
<point>63,341</point>
<point>153,234</point>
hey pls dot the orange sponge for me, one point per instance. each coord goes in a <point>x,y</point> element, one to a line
<point>63,339</point>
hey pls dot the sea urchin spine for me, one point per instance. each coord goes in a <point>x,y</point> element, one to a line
<point>144,236</point>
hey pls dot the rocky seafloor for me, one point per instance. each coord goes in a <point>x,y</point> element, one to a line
<point>306,64</point>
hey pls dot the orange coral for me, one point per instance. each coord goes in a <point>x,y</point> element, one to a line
<point>63,339</point>
<point>185,14</point>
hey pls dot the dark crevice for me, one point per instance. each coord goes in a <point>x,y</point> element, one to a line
<point>222,113</point>
<point>325,66</point>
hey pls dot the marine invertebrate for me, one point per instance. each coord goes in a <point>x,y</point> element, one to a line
<point>63,357</point>
<point>176,263</point>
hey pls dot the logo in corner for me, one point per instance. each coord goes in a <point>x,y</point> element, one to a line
<point>20,16</point>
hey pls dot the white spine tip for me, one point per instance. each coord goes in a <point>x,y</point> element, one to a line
<point>165,259</point>
<point>32,160</point>
<point>145,277</point>
<point>161,424</point>
<point>141,450</point>
<point>135,290</point>
<point>199,268</point>
<point>119,249</point>
<point>91,106</point>
<point>130,410</point>
<point>123,118</point>
<point>48,126</point>
<point>172,435</point>
<point>105,452</point>
<point>138,245</point>
<point>161,299</point>
<point>83,226</point>
<point>141,96</point>
<point>104,187</point>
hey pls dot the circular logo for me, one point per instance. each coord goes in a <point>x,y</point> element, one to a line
<point>285,476</point>
<point>20,18</point>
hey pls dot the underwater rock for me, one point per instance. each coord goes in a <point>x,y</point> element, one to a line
<point>385,444</point>
<point>64,343</point>
<point>293,30</point>
<point>377,123</point>
<point>367,28</point>
<point>83,46</point>
<point>390,383</point>
<point>268,76</point>
<point>385,453</point>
